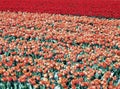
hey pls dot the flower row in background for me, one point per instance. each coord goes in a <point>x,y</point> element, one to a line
<point>48,51</point>
<point>106,8</point>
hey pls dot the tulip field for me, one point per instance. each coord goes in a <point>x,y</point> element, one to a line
<point>54,51</point>
<point>102,8</point>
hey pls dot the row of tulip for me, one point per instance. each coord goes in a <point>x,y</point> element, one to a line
<point>106,8</point>
<point>48,51</point>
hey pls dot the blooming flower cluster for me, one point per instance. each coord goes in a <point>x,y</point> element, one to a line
<point>102,8</point>
<point>48,51</point>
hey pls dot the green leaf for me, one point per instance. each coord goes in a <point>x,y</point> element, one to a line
<point>119,27</point>
<point>1,30</point>
<point>20,86</point>
<point>21,38</point>
<point>77,27</point>
<point>74,43</point>
<point>116,82</point>
<point>115,47</point>
<point>103,70</point>
<point>95,66</point>
<point>81,53</point>
<point>36,39</point>
<point>7,53</point>
<point>2,86</point>
<point>56,76</point>
<point>0,57</point>
<point>23,86</point>
<point>5,37</point>
<point>78,86</point>
<point>85,79</point>
<point>30,86</point>
<point>15,85</point>
<point>8,85</point>
<point>54,41</point>
<point>84,45</point>
<point>36,28</point>
<point>57,87</point>
<point>42,87</point>
<point>97,75</point>
<point>109,79</point>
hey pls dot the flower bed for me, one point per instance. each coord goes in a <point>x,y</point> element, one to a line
<point>106,8</point>
<point>48,51</point>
